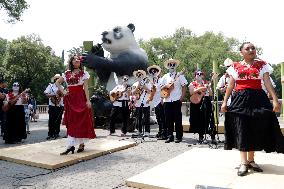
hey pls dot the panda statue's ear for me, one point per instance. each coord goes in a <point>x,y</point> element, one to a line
<point>131,27</point>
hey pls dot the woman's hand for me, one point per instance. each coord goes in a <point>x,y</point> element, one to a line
<point>89,104</point>
<point>276,106</point>
<point>224,107</point>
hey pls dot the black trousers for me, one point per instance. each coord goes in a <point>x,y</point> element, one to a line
<point>160,116</point>
<point>115,111</point>
<point>2,121</point>
<point>143,114</point>
<point>173,119</point>
<point>54,121</point>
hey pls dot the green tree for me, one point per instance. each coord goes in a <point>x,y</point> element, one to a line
<point>3,48</point>
<point>14,9</point>
<point>191,50</point>
<point>32,64</point>
<point>276,76</point>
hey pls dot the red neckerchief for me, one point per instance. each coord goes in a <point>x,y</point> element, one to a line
<point>72,79</point>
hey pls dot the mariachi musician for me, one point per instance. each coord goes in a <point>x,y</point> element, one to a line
<point>154,72</point>
<point>224,80</point>
<point>173,89</point>
<point>15,129</point>
<point>120,98</point>
<point>55,108</point>
<point>142,89</point>
<point>201,110</point>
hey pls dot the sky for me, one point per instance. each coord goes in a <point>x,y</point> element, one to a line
<point>63,24</point>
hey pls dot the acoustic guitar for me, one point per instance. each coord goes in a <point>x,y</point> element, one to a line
<point>166,91</point>
<point>116,95</point>
<point>12,102</point>
<point>197,97</point>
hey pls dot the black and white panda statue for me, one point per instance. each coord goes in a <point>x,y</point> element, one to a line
<point>125,56</point>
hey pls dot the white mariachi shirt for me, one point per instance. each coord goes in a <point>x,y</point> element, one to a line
<point>157,96</point>
<point>223,81</point>
<point>124,96</point>
<point>179,83</point>
<point>144,96</point>
<point>52,90</point>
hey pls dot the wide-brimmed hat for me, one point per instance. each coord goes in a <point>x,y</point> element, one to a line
<point>228,62</point>
<point>177,62</point>
<point>154,67</point>
<point>56,76</point>
<point>137,72</point>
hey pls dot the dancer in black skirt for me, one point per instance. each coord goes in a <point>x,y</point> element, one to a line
<point>250,120</point>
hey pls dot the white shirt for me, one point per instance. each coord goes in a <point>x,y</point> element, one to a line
<point>123,97</point>
<point>180,81</point>
<point>223,81</point>
<point>157,96</point>
<point>52,89</point>
<point>144,96</point>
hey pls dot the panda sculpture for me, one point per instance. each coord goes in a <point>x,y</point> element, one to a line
<point>125,56</point>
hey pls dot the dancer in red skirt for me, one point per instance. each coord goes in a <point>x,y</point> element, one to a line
<point>78,116</point>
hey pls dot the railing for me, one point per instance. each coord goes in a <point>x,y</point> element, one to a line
<point>42,109</point>
<point>186,110</point>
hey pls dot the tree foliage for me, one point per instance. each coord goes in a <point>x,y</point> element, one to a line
<point>32,64</point>
<point>14,9</point>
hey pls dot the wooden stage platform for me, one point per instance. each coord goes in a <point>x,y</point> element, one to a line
<point>203,168</point>
<point>46,154</point>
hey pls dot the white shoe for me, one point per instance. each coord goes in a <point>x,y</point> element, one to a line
<point>146,134</point>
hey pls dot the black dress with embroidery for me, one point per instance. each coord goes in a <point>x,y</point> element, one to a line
<point>250,123</point>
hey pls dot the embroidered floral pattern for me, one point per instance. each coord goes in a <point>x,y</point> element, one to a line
<point>249,71</point>
<point>198,85</point>
<point>11,96</point>
<point>73,78</point>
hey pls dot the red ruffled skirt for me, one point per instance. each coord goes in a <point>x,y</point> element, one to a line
<point>78,118</point>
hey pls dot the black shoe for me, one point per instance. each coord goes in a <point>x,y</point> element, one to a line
<point>162,138</point>
<point>252,165</point>
<point>178,140</point>
<point>170,139</point>
<point>49,137</point>
<point>56,136</point>
<point>243,170</point>
<point>71,149</point>
<point>213,141</point>
<point>81,148</point>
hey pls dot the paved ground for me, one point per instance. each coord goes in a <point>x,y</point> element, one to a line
<point>109,171</point>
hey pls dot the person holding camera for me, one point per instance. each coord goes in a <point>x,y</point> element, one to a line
<point>120,98</point>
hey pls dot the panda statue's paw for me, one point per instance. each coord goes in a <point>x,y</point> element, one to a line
<point>98,50</point>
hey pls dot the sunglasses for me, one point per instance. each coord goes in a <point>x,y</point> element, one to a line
<point>16,85</point>
<point>250,48</point>
<point>125,79</point>
<point>172,65</point>
<point>199,73</point>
